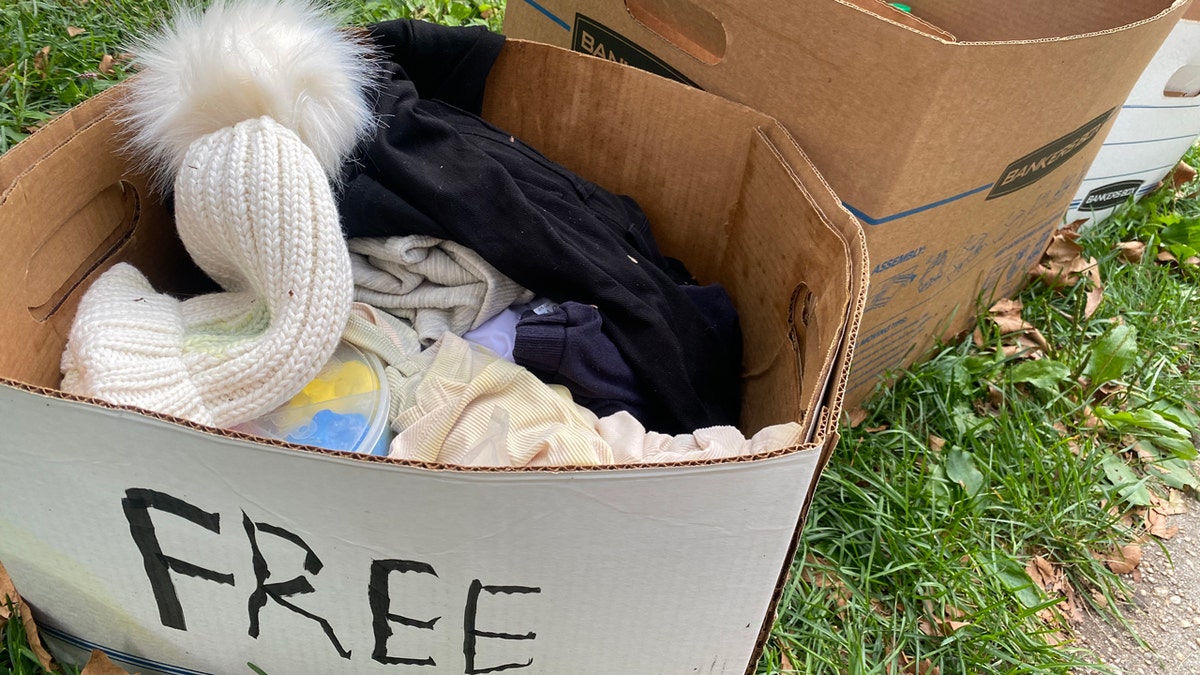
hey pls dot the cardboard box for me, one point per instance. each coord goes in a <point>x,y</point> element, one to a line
<point>958,134</point>
<point>184,549</point>
<point>1157,124</point>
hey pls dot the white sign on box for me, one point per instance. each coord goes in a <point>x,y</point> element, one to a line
<point>205,553</point>
<point>1156,126</point>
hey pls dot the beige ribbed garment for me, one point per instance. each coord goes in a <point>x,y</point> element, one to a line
<point>455,403</point>
<point>438,285</point>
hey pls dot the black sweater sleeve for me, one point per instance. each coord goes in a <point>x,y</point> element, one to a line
<point>446,64</point>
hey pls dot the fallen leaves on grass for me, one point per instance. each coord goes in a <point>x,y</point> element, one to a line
<point>1064,264</point>
<point>910,666</point>
<point>825,579</point>
<point>41,61</point>
<point>106,65</point>
<point>1025,340</point>
<point>1166,257</point>
<point>1125,559</point>
<point>856,416</point>
<point>942,623</point>
<point>1174,504</point>
<point>1181,175</point>
<point>785,661</point>
<point>7,590</point>
<point>1155,522</point>
<point>1053,582</point>
<point>1132,251</point>
<point>100,664</point>
<point>75,31</point>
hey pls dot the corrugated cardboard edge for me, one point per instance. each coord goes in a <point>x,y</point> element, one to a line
<point>818,442</point>
<point>1192,13</point>
<point>24,156</point>
<point>801,169</point>
<point>1083,36</point>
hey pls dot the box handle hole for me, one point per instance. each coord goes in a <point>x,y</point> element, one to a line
<point>684,24</point>
<point>1185,83</point>
<point>77,246</point>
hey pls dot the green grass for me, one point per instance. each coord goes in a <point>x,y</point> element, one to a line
<point>37,83</point>
<point>965,469</point>
<point>903,532</point>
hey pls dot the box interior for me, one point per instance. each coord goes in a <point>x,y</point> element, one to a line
<point>719,198</point>
<point>1004,20</point>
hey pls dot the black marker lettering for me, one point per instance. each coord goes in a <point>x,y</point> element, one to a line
<point>137,504</point>
<point>283,589</point>
<point>470,633</point>
<point>380,601</point>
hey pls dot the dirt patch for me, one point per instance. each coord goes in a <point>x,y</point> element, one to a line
<point>1165,611</point>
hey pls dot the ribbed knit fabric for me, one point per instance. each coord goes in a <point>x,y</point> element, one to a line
<point>436,284</point>
<point>255,211</point>
<point>632,444</point>
<point>468,398</point>
<point>455,403</point>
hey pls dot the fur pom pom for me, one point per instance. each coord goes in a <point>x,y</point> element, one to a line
<point>243,59</point>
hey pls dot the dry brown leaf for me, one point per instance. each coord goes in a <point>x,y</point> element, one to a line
<point>99,664</point>
<point>1056,638</point>
<point>1064,247</point>
<point>949,626</point>
<point>75,30</point>
<point>856,416</point>
<point>1174,504</point>
<point>1132,251</point>
<point>1053,581</point>
<point>1165,256</point>
<point>977,337</point>
<point>784,661</point>
<point>1147,455</point>
<point>1156,524</point>
<point>1040,570</point>
<point>41,61</point>
<point>1036,336</point>
<point>1192,260</point>
<point>1006,306</point>
<point>995,396</point>
<point>8,590</point>
<point>936,443</point>
<point>1007,316</point>
<point>875,430</point>
<point>825,579</point>
<point>1181,175</point>
<point>106,65</point>
<point>926,627</point>
<point>1096,295</point>
<point>911,667</point>
<point>1124,560</point>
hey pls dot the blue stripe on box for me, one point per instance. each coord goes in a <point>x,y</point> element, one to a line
<point>566,26</point>
<point>116,655</point>
<point>1151,140</point>
<point>904,214</point>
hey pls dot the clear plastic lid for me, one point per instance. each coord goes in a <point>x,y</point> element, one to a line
<point>345,407</point>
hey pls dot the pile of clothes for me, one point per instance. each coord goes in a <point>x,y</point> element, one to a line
<point>525,314</point>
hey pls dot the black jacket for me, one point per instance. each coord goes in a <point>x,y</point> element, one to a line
<point>435,168</point>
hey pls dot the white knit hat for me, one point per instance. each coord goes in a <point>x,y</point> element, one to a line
<point>254,208</point>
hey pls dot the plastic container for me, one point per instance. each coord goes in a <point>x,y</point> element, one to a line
<point>345,407</point>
